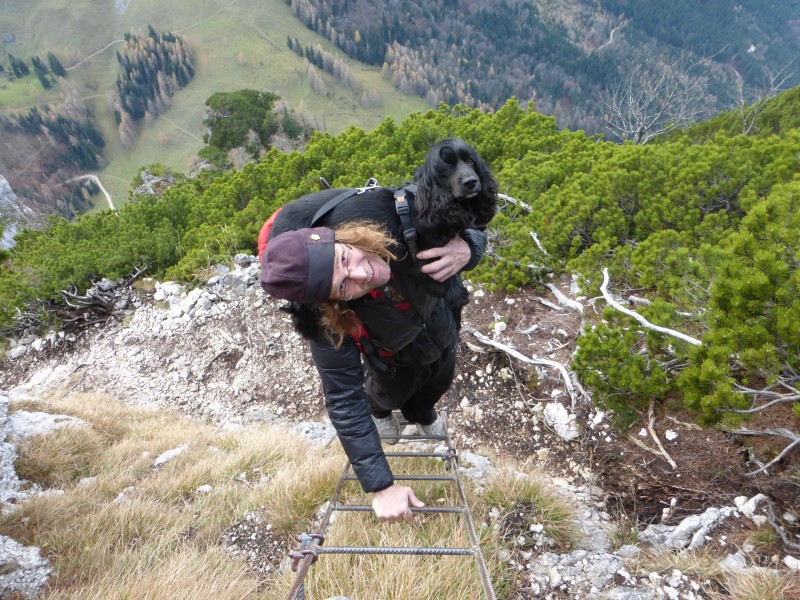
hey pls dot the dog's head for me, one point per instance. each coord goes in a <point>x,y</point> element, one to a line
<point>454,188</point>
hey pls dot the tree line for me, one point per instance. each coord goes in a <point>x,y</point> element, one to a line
<point>703,228</point>
<point>69,128</point>
<point>20,68</point>
<point>153,67</point>
<point>324,60</point>
<point>462,51</point>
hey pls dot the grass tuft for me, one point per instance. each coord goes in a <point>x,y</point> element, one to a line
<point>511,489</point>
<point>759,584</point>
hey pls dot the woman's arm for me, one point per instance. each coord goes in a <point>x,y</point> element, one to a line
<point>343,384</point>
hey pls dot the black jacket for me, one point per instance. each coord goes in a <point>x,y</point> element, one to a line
<point>412,336</point>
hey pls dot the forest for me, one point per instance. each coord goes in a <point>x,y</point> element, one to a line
<point>558,53</point>
<point>705,227</point>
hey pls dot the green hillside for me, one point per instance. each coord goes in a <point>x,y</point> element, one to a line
<point>237,44</point>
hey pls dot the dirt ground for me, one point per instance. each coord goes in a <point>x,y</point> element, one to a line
<point>712,465</point>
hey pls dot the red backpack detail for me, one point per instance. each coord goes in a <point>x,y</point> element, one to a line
<point>263,235</point>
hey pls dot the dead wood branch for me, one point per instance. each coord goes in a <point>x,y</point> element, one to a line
<point>651,428</point>
<point>778,529</point>
<point>779,432</point>
<point>518,203</point>
<point>538,243</point>
<point>771,393</point>
<point>548,304</point>
<point>644,322</point>
<point>543,362</point>
<point>563,300</point>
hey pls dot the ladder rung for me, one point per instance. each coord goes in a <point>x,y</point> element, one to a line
<point>379,550</point>
<point>413,478</point>
<point>424,509</point>
<point>417,454</point>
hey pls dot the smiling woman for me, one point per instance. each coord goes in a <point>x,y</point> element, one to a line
<point>318,264</point>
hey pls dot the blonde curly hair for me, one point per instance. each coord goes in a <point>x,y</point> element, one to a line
<point>337,317</point>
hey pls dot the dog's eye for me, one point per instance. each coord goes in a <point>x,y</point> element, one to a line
<point>470,162</point>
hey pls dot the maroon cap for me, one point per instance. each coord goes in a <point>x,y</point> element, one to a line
<point>298,265</point>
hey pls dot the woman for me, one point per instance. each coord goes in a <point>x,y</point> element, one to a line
<point>356,291</point>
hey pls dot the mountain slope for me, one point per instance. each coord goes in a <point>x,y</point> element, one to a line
<point>237,44</point>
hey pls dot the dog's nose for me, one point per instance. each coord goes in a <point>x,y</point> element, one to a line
<point>470,183</point>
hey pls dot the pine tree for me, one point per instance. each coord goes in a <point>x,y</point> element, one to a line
<point>55,65</point>
<point>18,66</point>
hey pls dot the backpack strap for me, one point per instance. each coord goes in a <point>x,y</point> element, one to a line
<point>331,204</point>
<point>403,209</point>
<point>372,184</point>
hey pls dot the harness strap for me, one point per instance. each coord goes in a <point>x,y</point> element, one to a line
<point>404,212</point>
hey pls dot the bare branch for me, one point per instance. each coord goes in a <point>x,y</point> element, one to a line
<point>780,432</point>
<point>565,374</point>
<point>518,203</point>
<point>650,101</point>
<point>757,409</point>
<point>651,428</point>
<point>771,85</point>
<point>563,300</point>
<point>644,322</point>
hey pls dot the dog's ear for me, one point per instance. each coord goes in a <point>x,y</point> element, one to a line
<point>433,197</point>
<point>486,204</point>
<point>305,319</point>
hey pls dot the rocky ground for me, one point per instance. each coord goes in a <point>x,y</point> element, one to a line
<point>228,354</point>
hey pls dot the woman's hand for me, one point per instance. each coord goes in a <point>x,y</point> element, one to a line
<point>392,504</point>
<point>447,260</point>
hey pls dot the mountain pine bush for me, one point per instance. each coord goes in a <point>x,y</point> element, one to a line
<point>709,232</point>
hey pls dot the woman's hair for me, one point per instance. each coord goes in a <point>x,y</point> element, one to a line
<point>337,318</point>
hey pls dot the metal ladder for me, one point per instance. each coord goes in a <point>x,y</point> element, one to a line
<point>312,544</point>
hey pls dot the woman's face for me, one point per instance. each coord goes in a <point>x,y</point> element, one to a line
<point>356,272</point>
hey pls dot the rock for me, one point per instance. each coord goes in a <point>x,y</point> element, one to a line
<point>106,285</point>
<point>18,352</point>
<point>474,466</point>
<point>23,572</point>
<point>23,423</point>
<point>734,562</point>
<point>748,507</point>
<point>791,562</point>
<point>167,456</point>
<point>244,260</point>
<point>318,434</point>
<point>628,551</point>
<point>690,532</point>
<point>167,289</point>
<point>561,421</point>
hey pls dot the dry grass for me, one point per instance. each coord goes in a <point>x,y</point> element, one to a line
<point>759,584</point>
<point>163,534</point>
<point>117,527</point>
<point>511,487</point>
<point>702,563</point>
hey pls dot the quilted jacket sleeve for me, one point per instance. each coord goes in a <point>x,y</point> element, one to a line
<point>476,240</point>
<point>343,384</point>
